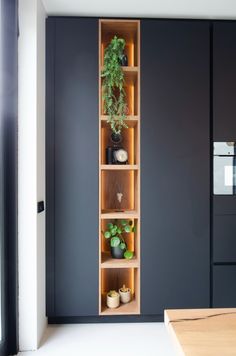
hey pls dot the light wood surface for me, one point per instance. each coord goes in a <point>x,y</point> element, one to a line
<point>203,332</point>
<point>119,167</point>
<point>120,215</point>
<point>109,262</point>
<point>124,309</point>
<point>131,120</point>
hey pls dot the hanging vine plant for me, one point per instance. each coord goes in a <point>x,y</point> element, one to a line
<point>113,85</point>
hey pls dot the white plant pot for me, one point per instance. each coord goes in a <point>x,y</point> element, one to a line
<point>125,297</point>
<point>113,302</point>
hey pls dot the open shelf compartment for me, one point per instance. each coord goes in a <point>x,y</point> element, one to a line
<point>129,141</point>
<point>127,29</point>
<point>131,91</point>
<point>123,182</point>
<point>132,243</point>
<point>113,279</point>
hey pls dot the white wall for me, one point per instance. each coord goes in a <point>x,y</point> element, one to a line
<point>32,320</point>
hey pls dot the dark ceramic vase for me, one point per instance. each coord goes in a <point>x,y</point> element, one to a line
<point>124,61</point>
<point>117,252</point>
<point>116,138</point>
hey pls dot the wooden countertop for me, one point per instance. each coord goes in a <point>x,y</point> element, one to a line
<point>203,332</point>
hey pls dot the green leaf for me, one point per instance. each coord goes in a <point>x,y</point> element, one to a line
<point>124,222</point>
<point>122,246</point>
<point>119,231</point>
<point>134,229</point>
<point>109,225</point>
<point>128,228</point>
<point>115,241</point>
<point>128,254</point>
<point>114,230</point>
<point>107,234</point>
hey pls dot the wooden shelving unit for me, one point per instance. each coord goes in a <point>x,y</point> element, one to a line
<point>113,273</point>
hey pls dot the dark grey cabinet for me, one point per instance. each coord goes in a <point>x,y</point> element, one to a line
<point>224,232</point>
<point>72,167</point>
<point>224,286</point>
<point>175,159</point>
<point>224,129</point>
<point>224,81</point>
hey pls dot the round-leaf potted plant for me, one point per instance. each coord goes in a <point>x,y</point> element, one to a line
<point>125,294</point>
<point>114,233</point>
<point>113,85</point>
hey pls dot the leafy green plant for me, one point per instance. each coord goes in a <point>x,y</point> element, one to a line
<point>114,233</point>
<point>113,85</point>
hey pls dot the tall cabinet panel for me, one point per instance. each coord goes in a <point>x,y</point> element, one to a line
<point>72,167</point>
<point>224,128</point>
<point>175,156</point>
<point>224,79</point>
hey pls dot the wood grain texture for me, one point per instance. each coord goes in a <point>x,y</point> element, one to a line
<point>203,332</point>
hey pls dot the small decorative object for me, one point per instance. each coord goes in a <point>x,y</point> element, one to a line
<point>120,156</point>
<point>119,197</point>
<point>115,105</point>
<point>116,154</point>
<point>109,155</point>
<point>113,299</point>
<point>117,243</point>
<point>125,294</point>
<point>116,138</point>
<point>124,60</point>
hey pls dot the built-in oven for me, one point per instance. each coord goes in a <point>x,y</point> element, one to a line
<point>224,171</point>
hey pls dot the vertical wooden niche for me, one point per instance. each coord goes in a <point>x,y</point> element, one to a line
<point>114,273</point>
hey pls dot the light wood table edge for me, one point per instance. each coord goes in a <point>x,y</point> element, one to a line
<point>168,325</point>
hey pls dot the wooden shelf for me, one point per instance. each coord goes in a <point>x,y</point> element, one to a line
<point>130,73</point>
<point>109,262</point>
<point>120,215</point>
<point>127,69</point>
<point>113,273</point>
<point>119,167</point>
<point>130,118</point>
<point>123,309</point>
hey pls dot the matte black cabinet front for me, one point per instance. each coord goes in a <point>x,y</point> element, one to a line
<point>175,178</point>
<point>224,81</point>
<point>72,167</point>
<point>224,287</point>
<point>224,128</point>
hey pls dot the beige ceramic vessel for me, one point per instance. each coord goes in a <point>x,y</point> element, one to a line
<point>113,299</point>
<point>125,297</point>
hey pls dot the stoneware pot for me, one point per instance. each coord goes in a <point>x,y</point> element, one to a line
<point>116,138</point>
<point>124,60</point>
<point>125,297</point>
<point>113,302</point>
<point>117,252</point>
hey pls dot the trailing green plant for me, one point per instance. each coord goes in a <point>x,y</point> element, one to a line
<point>114,233</point>
<point>113,85</point>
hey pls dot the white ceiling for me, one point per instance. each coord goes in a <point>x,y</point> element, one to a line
<point>219,9</point>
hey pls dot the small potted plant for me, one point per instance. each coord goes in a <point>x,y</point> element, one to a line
<point>125,294</point>
<point>117,243</point>
<point>113,299</point>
